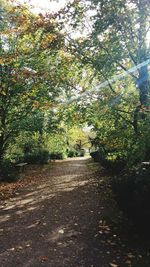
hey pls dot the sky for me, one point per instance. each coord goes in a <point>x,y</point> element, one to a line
<point>41,6</point>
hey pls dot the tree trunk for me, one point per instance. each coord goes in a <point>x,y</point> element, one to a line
<point>135,120</point>
<point>1,148</point>
<point>143,85</point>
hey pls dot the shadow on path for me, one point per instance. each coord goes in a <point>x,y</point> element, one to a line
<point>58,222</point>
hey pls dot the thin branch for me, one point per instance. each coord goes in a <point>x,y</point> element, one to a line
<point>116,61</point>
<point>109,84</point>
<point>128,121</point>
<point>127,112</point>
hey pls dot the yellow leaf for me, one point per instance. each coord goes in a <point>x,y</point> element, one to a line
<point>1,61</point>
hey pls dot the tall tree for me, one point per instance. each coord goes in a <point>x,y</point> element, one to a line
<point>114,39</point>
<point>29,44</point>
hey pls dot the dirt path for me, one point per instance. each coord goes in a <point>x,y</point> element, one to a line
<point>58,222</point>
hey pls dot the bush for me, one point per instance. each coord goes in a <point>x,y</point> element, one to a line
<point>112,165</point>
<point>57,155</point>
<point>97,156</point>
<point>8,172</point>
<point>72,153</point>
<point>37,157</point>
<point>132,193</point>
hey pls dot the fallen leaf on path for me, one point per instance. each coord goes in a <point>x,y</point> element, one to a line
<point>28,245</point>
<point>113,265</point>
<point>11,249</point>
<point>61,231</point>
<point>19,248</point>
<point>130,256</point>
<point>44,258</point>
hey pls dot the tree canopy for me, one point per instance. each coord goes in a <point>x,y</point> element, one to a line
<point>66,69</point>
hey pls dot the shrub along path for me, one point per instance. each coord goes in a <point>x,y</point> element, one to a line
<point>65,216</point>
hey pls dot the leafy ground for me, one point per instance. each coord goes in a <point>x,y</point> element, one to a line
<point>64,214</point>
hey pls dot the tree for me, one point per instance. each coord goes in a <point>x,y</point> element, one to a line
<point>28,44</point>
<point>114,40</point>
